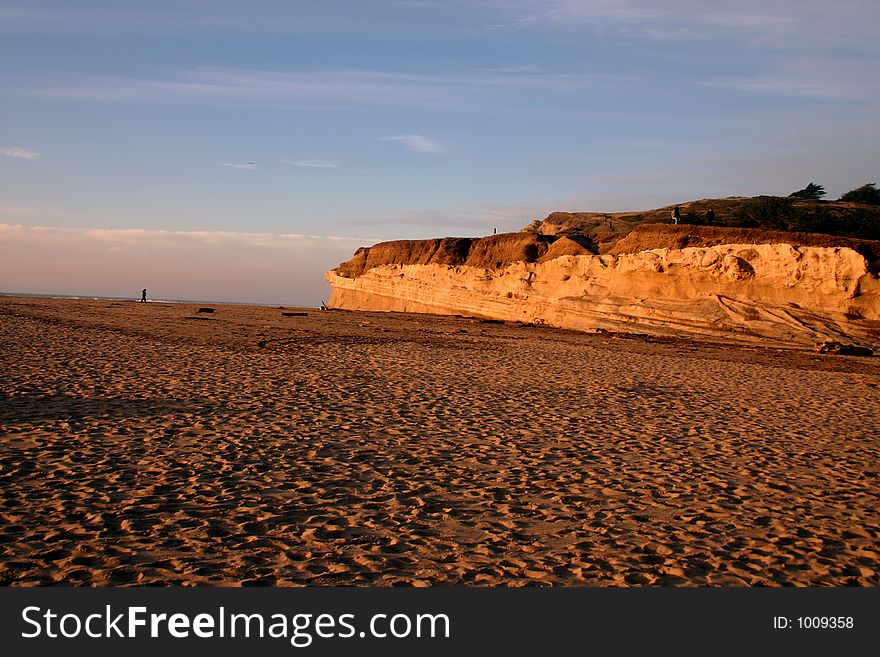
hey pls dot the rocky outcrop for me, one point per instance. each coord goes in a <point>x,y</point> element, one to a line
<point>671,280</point>
<point>489,252</point>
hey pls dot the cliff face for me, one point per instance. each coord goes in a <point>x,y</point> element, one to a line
<point>790,293</point>
<point>490,252</point>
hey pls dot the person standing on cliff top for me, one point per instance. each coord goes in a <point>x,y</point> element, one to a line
<point>144,295</point>
<point>676,215</point>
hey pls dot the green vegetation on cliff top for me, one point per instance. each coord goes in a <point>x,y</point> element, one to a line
<point>790,214</point>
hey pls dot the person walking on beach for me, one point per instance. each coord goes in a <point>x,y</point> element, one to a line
<point>676,215</point>
<point>144,295</point>
<point>710,216</point>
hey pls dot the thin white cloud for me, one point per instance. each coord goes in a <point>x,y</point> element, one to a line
<point>775,23</point>
<point>138,235</point>
<point>559,13</point>
<point>19,210</point>
<point>632,179</point>
<point>111,16</point>
<point>775,85</point>
<point>417,143</point>
<point>340,89</point>
<point>525,68</point>
<point>687,175</point>
<point>835,79</point>
<point>20,153</point>
<point>248,166</point>
<point>311,164</point>
<point>221,265</point>
<point>479,218</point>
<point>791,133</point>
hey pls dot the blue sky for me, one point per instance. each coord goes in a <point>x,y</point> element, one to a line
<point>237,150</point>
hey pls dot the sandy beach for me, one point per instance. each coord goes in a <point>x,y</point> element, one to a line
<point>152,444</point>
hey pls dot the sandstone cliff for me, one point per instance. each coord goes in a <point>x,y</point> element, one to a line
<point>659,279</point>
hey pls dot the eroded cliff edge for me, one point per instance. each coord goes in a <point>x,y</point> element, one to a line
<point>793,288</point>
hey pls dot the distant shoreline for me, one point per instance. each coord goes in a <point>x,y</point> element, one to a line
<point>92,297</point>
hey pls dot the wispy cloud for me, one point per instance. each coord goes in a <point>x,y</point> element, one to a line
<point>481,218</point>
<point>338,89</point>
<point>477,219</point>
<point>416,143</point>
<point>247,166</point>
<point>134,236</point>
<point>20,153</point>
<point>418,4</point>
<point>850,23</point>
<point>10,212</point>
<point>109,16</point>
<point>311,164</point>
<point>561,13</point>
<point>524,68</point>
<point>221,265</point>
<point>633,179</point>
<point>800,135</point>
<point>829,159</point>
<point>827,78</point>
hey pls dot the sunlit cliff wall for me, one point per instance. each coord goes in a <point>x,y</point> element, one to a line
<point>784,292</point>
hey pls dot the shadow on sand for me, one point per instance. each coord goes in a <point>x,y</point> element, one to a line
<point>41,407</point>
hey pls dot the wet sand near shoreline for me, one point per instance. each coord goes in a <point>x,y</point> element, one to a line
<point>151,444</point>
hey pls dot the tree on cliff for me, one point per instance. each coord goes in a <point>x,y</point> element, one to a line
<point>865,194</point>
<point>811,191</point>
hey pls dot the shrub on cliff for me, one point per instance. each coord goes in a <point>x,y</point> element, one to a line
<point>772,212</point>
<point>812,191</point>
<point>865,194</point>
<point>693,219</point>
<point>776,213</point>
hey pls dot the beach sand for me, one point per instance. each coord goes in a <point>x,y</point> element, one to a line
<point>151,444</point>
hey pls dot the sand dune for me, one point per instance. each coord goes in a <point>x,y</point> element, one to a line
<point>147,444</point>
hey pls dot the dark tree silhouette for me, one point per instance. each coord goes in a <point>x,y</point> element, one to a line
<point>811,191</point>
<point>865,194</point>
